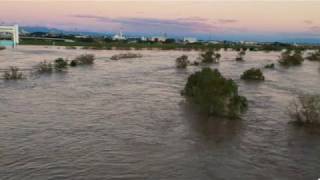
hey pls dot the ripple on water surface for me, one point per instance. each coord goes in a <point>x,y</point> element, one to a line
<point>126,120</point>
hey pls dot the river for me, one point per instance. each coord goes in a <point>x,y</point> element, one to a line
<point>126,119</point>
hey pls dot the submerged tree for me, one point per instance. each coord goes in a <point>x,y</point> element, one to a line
<point>44,67</point>
<point>253,74</point>
<point>85,59</point>
<point>209,56</point>
<point>13,73</point>
<point>305,110</point>
<point>215,95</point>
<point>60,64</point>
<point>314,56</point>
<point>269,66</point>
<point>182,62</point>
<point>240,56</point>
<point>291,59</point>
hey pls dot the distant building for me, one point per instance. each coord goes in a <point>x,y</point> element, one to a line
<point>13,32</point>
<point>214,42</point>
<point>190,40</point>
<point>143,38</point>
<point>158,38</point>
<point>81,36</point>
<point>248,42</point>
<point>118,37</point>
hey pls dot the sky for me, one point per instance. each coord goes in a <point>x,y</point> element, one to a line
<point>221,20</point>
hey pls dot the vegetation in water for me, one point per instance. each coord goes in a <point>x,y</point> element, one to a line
<point>209,56</point>
<point>305,110</point>
<point>269,66</point>
<point>73,63</point>
<point>215,95</point>
<point>314,56</point>
<point>195,63</point>
<point>218,56</point>
<point>182,62</point>
<point>60,64</point>
<point>291,59</point>
<point>253,74</point>
<point>71,47</point>
<point>44,67</point>
<point>126,56</point>
<point>85,59</point>
<point>240,56</point>
<point>13,73</point>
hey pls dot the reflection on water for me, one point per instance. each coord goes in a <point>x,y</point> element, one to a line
<point>126,120</point>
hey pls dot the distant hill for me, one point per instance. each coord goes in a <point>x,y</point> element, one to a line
<point>33,29</point>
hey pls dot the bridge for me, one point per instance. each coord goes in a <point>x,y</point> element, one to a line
<point>14,32</point>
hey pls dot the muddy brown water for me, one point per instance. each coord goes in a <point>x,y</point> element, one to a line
<point>126,120</point>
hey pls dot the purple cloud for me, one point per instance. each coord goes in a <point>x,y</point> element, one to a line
<point>188,25</point>
<point>227,21</point>
<point>308,22</point>
<point>315,29</point>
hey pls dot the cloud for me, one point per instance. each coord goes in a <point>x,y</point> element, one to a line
<point>227,21</point>
<point>177,25</point>
<point>315,29</point>
<point>308,22</point>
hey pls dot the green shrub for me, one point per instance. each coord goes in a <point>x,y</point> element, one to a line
<point>215,94</point>
<point>44,67</point>
<point>252,74</point>
<point>240,56</point>
<point>291,59</point>
<point>13,73</point>
<point>125,56</point>
<point>182,62</point>
<point>60,64</point>
<point>305,110</point>
<point>218,56</point>
<point>208,57</point>
<point>195,63</point>
<point>71,47</point>
<point>73,63</point>
<point>269,66</point>
<point>85,59</point>
<point>314,56</point>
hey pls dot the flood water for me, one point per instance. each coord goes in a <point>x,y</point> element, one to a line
<point>126,120</point>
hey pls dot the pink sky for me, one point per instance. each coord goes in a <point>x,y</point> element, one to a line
<point>170,17</point>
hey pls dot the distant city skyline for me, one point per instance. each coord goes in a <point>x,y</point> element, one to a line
<point>232,20</point>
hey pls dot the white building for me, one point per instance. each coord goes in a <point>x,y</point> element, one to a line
<point>190,40</point>
<point>248,42</point>
<point>143,38</point>
<point>14,31</point>
<point>118,37</point>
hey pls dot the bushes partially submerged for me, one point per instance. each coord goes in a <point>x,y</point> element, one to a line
<point>252,74</point>
<point>291,59</point>
<point>240,56</point>
<point>182,62</point>
<point>269,66</point>
<point>125,56</point>
<point>85,59</point>
<point>44,67</point>
<point>13,73</point>
<point>306,110</point>
<point>60,64</point>
<point>215,94</point>
<point>314,56</point>
<point>210,57</point>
